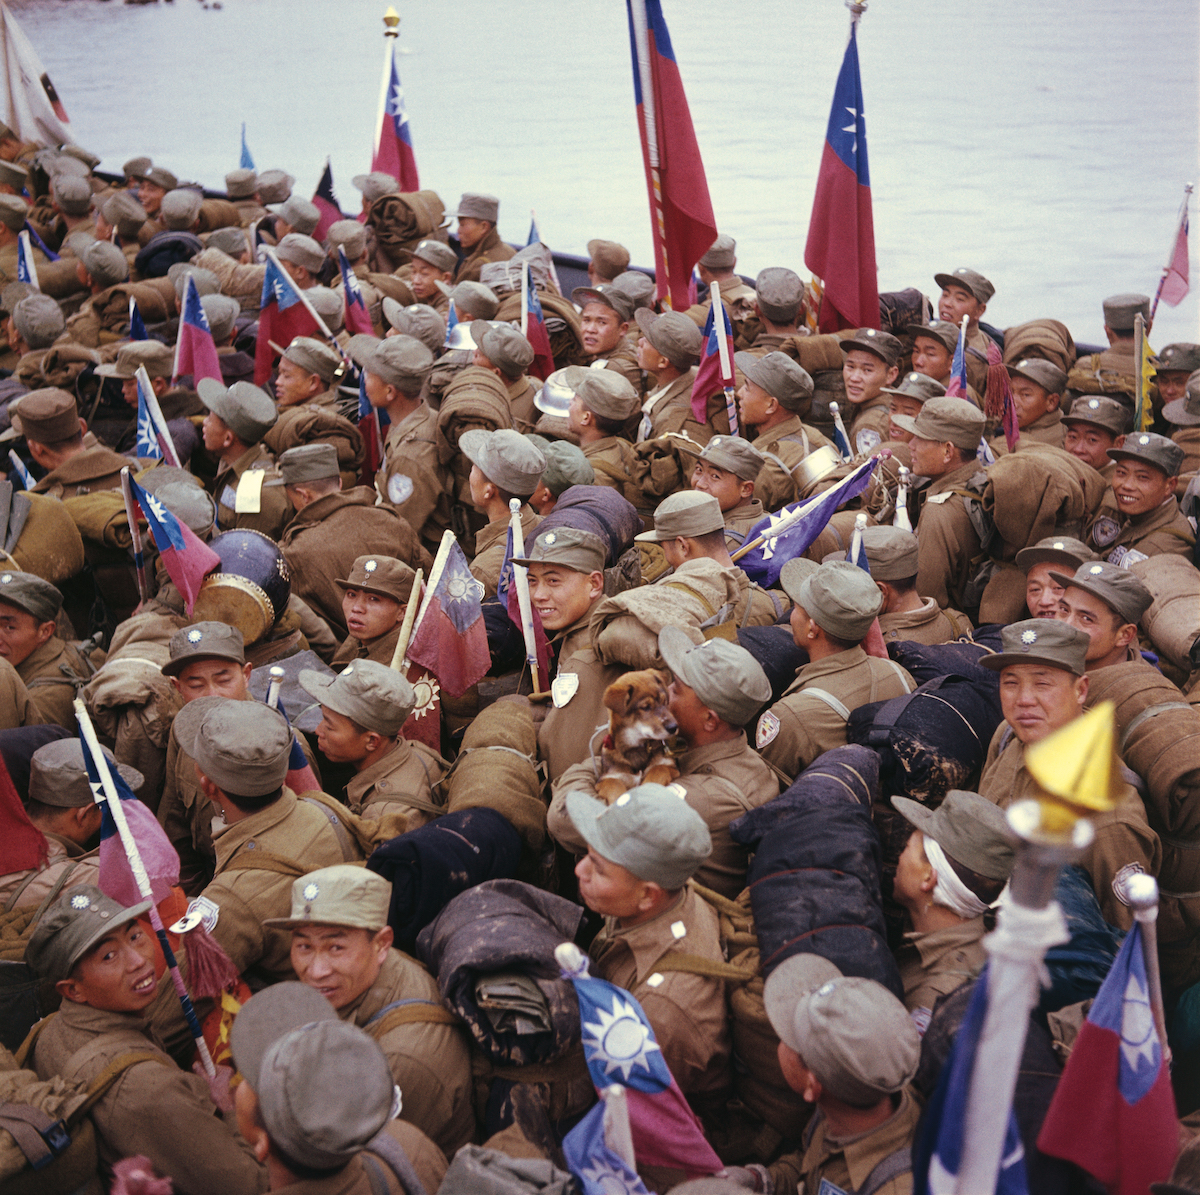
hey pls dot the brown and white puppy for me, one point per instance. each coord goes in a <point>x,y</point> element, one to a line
<point>636,749</point>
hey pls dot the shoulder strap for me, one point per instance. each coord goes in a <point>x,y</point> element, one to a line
<point>26,1047</point>
<point>39,1136</point>
<point>829,699</point>
<point>260,860</point>
<point>610,470</point>
<point>392,1152</point>
<point>900,673</point>
<point>349,854</point>
<point>1152,711</point>
<point>894,1165</point>
<point>695,964</point>
<point>408,1012</point>
<point>708,606</point>
<point>110,1074</point>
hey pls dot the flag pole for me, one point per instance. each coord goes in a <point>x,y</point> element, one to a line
<point>139,559</point>
<point>723,355</point>
<point>406,627</point>
<point>321,324</point>
<point>435,575</point>
<point>1141,891</point>
<point>524,298</point>
<point>553,268</point>
<point>901,518</point>
<point>110,796</point>
<point>521,581</point>
<point>156,416</point>
<point>391,31</point>
<point>1139,349</point>
<point>1183,211</point>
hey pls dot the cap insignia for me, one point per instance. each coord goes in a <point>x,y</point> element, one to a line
<point>81,902</point>
<point>1143,439</point>
<point>826,989</point>
<point>6,578</point>
<point>1058,545</point>
<point>623,799</point>
<point>348,670</point>
<point>195,636</point>
<point>370,566</point>
<point>1096,570</point>
<point>869,332</point>
<point>551,538</point>
<point>311,891</point>
<point>1029,636</point>
<point>1093,403</point>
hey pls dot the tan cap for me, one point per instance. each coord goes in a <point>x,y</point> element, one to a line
<point>1104,412</point>
<point>221,311</point>
<point>241,184</point>
<point>124,213</point>
<point>971,829</point>
<point>969,280</point>
<point>246,410</point>
<point>274,186</point>
<point>418,320</point>
<point>241,746</point>
<point>14,174</point>
<point>503,345</point>
<point>779,293</point>
<point>1041,372</point>
<point>726,677</point>
<point>734,455</point>
<point>72,926</point>
<point>605,392</point>
<point>376,185</point>
<point>383,575</point>
<point>569,546</point>
<point>1055,549</point>
<point>304,217</point>
<point>721,254</point>
<point>884,345</point>
<point>1152,448</point>
<point>839,596</point>
<point>201,641</point>
<point>14,211</point>
<point>918,386</point>
<point>565,466</point>
<point>315,356</point>
<point>946,420</point>
<point>673,334</point>
<point>776,373</point>
<point>38,320</point>
<point>1120,311</point>
<point>608,296</point>
<point>688,513</point>
<point>476,206</point>
<point>650,831</point>
<point>638,286</point>
<point>306,462</point>
<point>400,361</point>
<point>891,553</point>
<point>48,416</point>
<point>471,298</point>
<point>1041,641</point>
<point>155,357</point>
<point>1185,411</point>
<point>29,592</point>
<point>944,332</point>
<point>180,209</point>
<point>505,458</point>
<point>72,194</point>
<point>160,177</point>
<point>375,696</point>
<point>136,167</point>
<point>437,254</point>
<point>1181,357</point>
<point>59,777</point>
<point>340,895</point>
<point>205,281</point>
<point>609,258</point>
<point>349,234</point>
<point>1116,587</point>
<point>301,250</point>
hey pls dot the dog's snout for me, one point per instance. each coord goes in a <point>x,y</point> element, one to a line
<point>670,725</point>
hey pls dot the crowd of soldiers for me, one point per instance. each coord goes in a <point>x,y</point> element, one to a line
<point>341,1041</point>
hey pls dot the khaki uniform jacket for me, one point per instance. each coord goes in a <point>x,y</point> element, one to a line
<point>871,419</point>
<point>687,1012</point>
<point>739,520</point>
<point>401,782</point>
<point>380,649</point>
<point>1124,841</point>
<point>938,963</point>
<point>490,544</point>
<point>95,468</point>
<point>800,726</point>
<point>565,735</point>
<point>27,889</point>
<point>612,460</point>
<point>50,689</point>
<point>16,706</point>
<point>154,1108</point>
<point>322,541</point>
<point>186,815</point>
<point>1164,530</point>
<point>520,400</point>
<point>947,542</point>
<point>430,1063</point>
<point>623,359</point>
<point>1188,438</point>
<point>1045,429</point>
<point>412,480</point>
<point>670,410</point>
<point>790,442</point>
<point>977,366</point>
<point>926,625</point>
<point>489,248</point>
<point>274,509</point>
<point>848,1164</point>
<point>355,1179</point>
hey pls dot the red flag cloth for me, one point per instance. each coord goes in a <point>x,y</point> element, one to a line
<point>325,201</point>
<point>998,396</point>
<point>282,317</point>
<point>841,234</point>
<point>709,380</point>
<point>185,556</point>
<point>195,352</point>
<point>356,319</point>
<point>22,845</point>
<point>393,147</point>
<point>1175,284</point>
<point>542,365</point>
<point>669,150</point>
<point>424,724</point>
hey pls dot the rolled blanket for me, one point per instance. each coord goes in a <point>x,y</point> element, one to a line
<point>599,509</point>
<point>101,518</point>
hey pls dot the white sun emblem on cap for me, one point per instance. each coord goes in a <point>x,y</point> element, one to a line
<point>6,578</point>
<point>619,1039</point>
<point>80,902</point>
<point>1093,403</point>
<point>826,989</point>
<point>195,636</point>
<point>370,566</point>
<point>551,538</point>
<point>1058,545</point>
<point>1096,570</point>
<point>1029,636</point>
<point>348,670</point>
<point>311,891</point>
<point>1143,439</point>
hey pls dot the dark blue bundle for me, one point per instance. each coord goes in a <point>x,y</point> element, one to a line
<point>924,661</point>
<point>775,649</point>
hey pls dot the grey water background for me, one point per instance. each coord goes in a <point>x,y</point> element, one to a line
<point>1043,142</point>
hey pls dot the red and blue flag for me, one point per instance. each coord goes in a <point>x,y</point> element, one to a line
<point>710,379</point>
<point>542,365</point>
<point>358,321</point>
<point>325,201</point>
<point>957,386</point>
<point>137,325</point>
<point>506,592</point>
<point>393,147</point>
<point>283,316</point>
<point>195,350</point>
<point>149,445</point>
<point>371,422</point>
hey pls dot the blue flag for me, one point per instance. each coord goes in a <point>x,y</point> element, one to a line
<point>148,446</point>
<point>246,161</point>
<point>599,1169</point>
<point>451,324</point>
<point>39,244</point>
<point>938,1154</point>
<point>957,387</point>
<point>535,236</point>
<point>137,325</point>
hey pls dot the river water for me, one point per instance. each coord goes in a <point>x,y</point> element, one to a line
<point>1043,142</point>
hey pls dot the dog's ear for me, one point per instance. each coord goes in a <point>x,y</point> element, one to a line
<point>664,679</point>
<point>618,696</point>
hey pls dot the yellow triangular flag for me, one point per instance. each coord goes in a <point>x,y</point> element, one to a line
<point>1078,763</point>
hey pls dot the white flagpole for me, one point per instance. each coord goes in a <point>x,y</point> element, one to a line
<point>391,31</point>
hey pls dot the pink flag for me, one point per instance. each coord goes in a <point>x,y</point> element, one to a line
<point>186,557</point>
<point>1175,282</point>
<point>195,351</point>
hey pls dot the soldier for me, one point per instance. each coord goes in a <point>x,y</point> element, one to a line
<point>945,438</point>
<point>274,186</point>
<point>374,595</point>
<point>14,211</point>
<point>295,215</point>
<point>871,364</point>
<point>967,292</point>
<point>933,350</point>
<point>298,1060</point>
<point>342,948</point>
<point>775,395</point>
<point>1094,424</point>
<point>1183,415</point>
<point>1043,687</point>
<point>848,1046</point>
<point>718,264</point>
<point>1037,389</point>
<point>306,374</point>
<point>606,312</point>
<point>100,266</point>
<point>779,306</point>
<point>1105,602</point>
<point>1058,553</point>
<point>152,189</point>
<point>641,852</point>
<point>100,959</point>
<point>301,258</point>
<point>332,526</point>
<point>726,469</point>
<point>716,689</point>
<point>669,347</point>
<point>566,466</point>
<point>1116,368</point>
<point>119,219</point>
<point>606,261</point>
<point>836,603</point>
<point>363,708</point>
<point>418,320</point>
<point>1147,519</point>
<point>470,299</point>
<point>14,179</point>
<point>639,287</point>
<point>35,324</point>
<point>375,186</point>
<point>72,200</point>
<point>152,355</point>
<point>222,311</point>
<point>1173,365</point>
<point>477,217</point>
<point>907,398</point>
<point>180,210</point>
<point>241,188</point>
<point>501,349</point>
<point>432,262</point>
<point>602,402</point>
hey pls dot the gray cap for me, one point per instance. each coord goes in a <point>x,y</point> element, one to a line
<point>345,894</point>
<point>726,677</point>
<point>70,928</point>
<point>779,292</point>
<point>478,207</point>
<point>839,596</point>
<point>786,382</point>
<point>505,458</point>
<point>13,293</point>
<point>298,1058</point>
<point>734,455</point>
<point>375,696</point>
<point>59,777</point>
<point>39,320</point>
<point>124,213</point>
<point>565,466</point>
<point>437,254</point>
<point>246,410</point>
<point>918,386</point>
<point>241,184</point>
<point>221,311</point>
<point>609,296</point>
<point>673,334</point>
<point>106,264</point>
<point>471,298</point>
<point>274,186</point>
<point>884,345</point>
<point>48,415</point>
<point>970,280</point>
<point>418,320</point>
<point>301,250</point>
<point>187,501</point>
<point>1116,587</point>
<point>721,254</point>
<point>329,304</point>
<point>204,641</point>
<point>944,332</point>
<point>1041,372</point>
<point>160,177</point>
<point>1182,357</point>
<point>376,185</point>
<point>650,831</point>
<point>29,592</point>
<point>503,345</point>
<point>307,462</point>
<point>231,241</point>
<point>206,282</point>
<point>180,209</point>
<point>1120,311</point>
<point>851,1032</point>
<point>73,195</point>
<point>380,574</point>
<point>971,829</point>
<point>688,513</point>
<point>946,420</point>
<point>1102,411</point>
<point>399,360</point>
<point>609,258</point>
<point>1185,411</point>
<point>14,175</point>
<point>1152,448</point>
<point>13,212</point>
<point>349,234</point>
<point>304,217</point>
<point>1041,641</point>
<point>241,746</point>
<point>891,552</point>
<point>571,547</point>
<point>136,168</point>
<point>156,358</point>
<point>314,356</point>
<point>1055,549</point>
<point>605,392</point>
<point>89,159</point>
<point>638,286</point>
